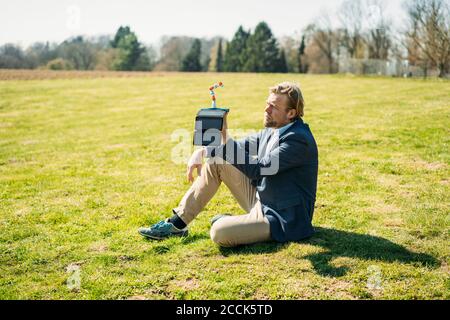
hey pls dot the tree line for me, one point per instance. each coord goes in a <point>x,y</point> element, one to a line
<point>357,30</point>
<point>248,51</point>
<point>123,52</point>
<point>364,31</point>
<point>256,51</point>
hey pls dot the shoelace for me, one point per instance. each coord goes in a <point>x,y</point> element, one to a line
<point>160,225</point>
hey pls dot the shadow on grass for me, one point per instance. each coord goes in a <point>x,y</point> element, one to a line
<point>338,243</point>
<point>164,246</point>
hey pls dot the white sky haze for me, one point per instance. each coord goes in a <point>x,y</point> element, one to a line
<point>26,21</point>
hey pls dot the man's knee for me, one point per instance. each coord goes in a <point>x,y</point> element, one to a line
<point>220,235</point>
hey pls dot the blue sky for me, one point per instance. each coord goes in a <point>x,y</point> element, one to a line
<point>26,21</point>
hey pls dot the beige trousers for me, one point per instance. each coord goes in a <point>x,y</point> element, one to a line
<point>233,230</point>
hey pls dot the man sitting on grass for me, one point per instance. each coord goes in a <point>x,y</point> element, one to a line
<point>272,175</point>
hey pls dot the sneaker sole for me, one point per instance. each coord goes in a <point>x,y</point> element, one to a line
<point>181,235</point>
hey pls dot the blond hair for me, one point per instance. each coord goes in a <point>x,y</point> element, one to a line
<point>295,97</point>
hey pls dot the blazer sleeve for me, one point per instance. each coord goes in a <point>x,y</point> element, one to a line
<point>248,146</point>
<point>292,151</point>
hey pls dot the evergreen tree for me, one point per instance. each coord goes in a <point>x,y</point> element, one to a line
<point>120,34</point>
<point>282,63</point>
<point>132,55</point>
<point>235,52</point>
<point>302,68</point>
<point>191,61</point>
<point>143,62</point>
<point>262,50</point>
<point>219,60</point>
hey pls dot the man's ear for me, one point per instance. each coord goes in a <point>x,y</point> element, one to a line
<point>292,114</point>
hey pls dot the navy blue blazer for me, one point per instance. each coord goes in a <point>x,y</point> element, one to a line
<point>285,177</point>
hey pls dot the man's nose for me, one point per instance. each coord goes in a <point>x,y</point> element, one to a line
<point>268,109</point>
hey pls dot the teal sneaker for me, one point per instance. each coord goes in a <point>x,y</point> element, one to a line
<point>163,230</point>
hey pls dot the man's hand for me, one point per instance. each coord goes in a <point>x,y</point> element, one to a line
<point>195,162</point>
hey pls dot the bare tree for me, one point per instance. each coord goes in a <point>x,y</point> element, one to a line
<point>290,46</point>
<point>428,33</point>
<point>379,39</point>
<point>322,35</point>
<point>173,50</point>
<point>416,56</point>
<point>79,52</point>
<point>351,15</point>
<point>13,57</point>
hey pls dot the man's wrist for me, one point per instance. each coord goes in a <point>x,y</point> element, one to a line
<point>208,151</point>
<point>225,137</point>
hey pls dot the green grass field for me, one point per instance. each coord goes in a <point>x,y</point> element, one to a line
<point>85,162</point>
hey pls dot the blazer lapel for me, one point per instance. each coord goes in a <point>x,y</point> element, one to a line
<point>277,143</point>
<point>267,134</point>
<point>265,139</point>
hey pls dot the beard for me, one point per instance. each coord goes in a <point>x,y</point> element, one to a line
<point>269,122</point>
